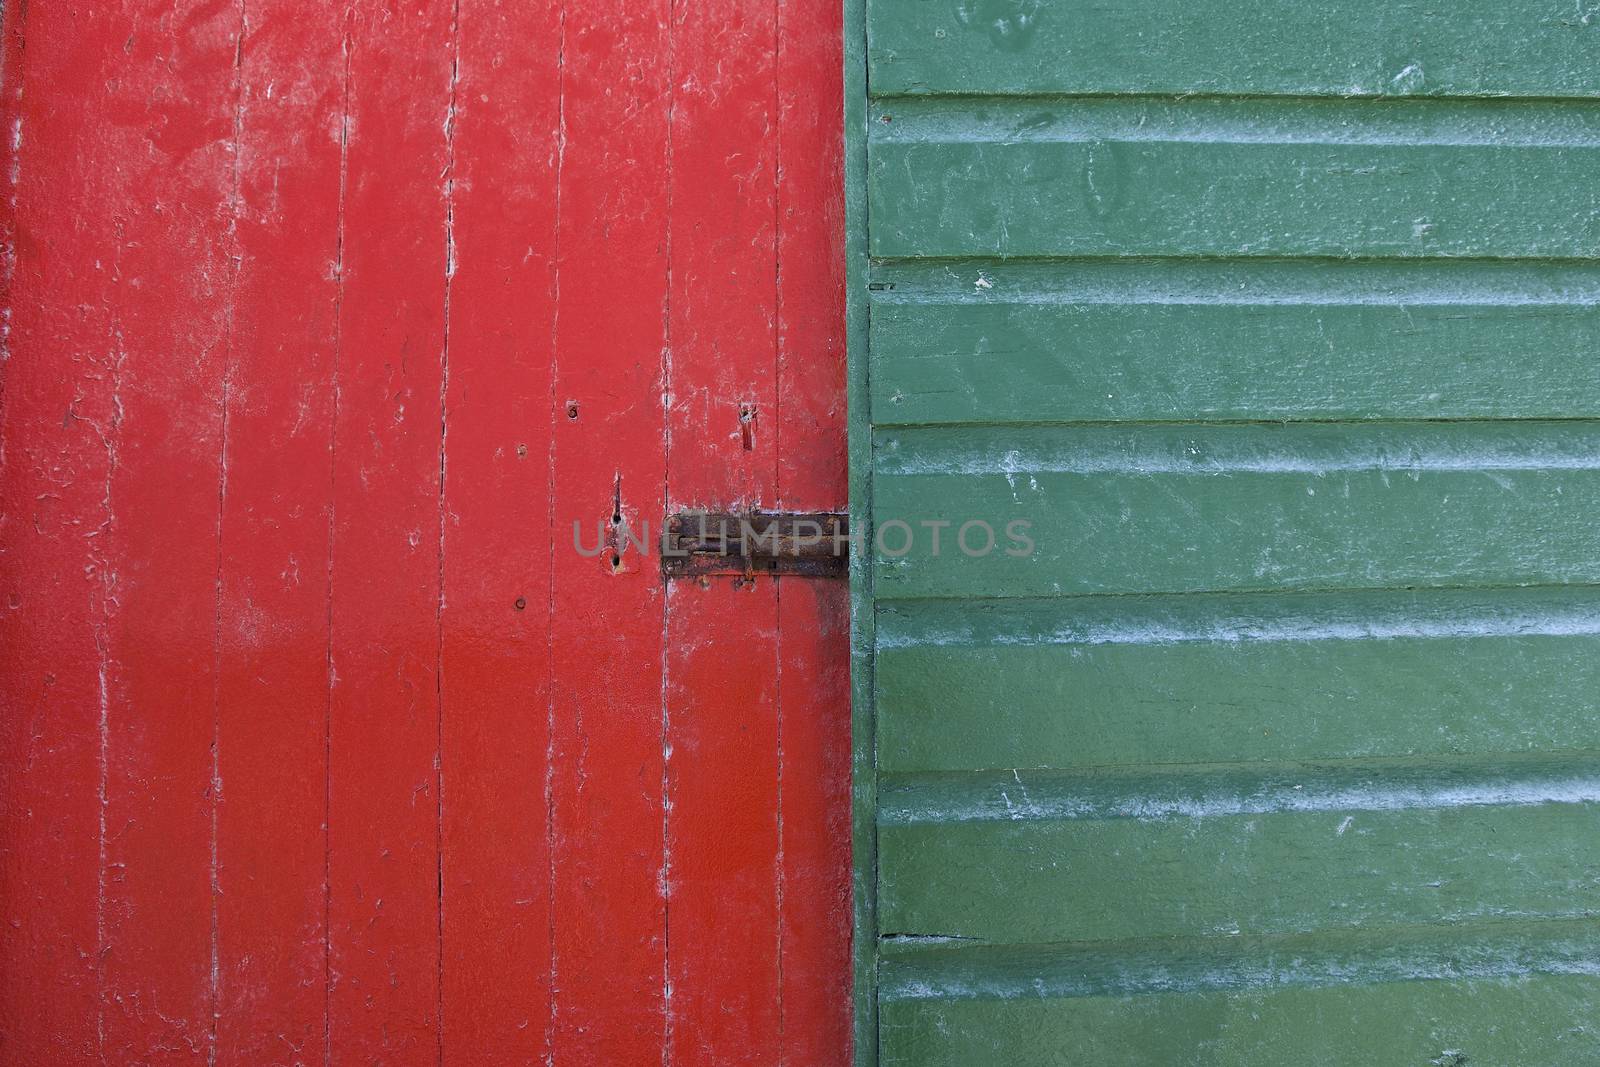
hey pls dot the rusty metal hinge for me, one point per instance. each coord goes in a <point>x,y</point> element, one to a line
<point>791,544</point>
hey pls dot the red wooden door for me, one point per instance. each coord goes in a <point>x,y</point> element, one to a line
<point>324,325</point>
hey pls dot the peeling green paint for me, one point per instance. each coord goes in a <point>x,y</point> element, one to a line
<point>1277,324</point>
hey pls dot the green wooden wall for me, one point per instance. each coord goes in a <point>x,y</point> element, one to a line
<point>1280,324</point>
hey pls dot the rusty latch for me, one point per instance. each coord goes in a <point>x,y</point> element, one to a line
<point>809,544</point>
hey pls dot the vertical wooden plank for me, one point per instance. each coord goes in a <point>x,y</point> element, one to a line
<point>858,433</point>
<point>723,822</point>
<point>496,863</point>
<point>12,34</point>
<point>244,347</point>
<point>812,467</point>
<point>272,660</point>
<point>384,819</point>
<point>722,915</point>
<point>814,674</point>
<point>169,134</point>
<point>814,683</point>
<point>57,443</point>
<point>608,912</point>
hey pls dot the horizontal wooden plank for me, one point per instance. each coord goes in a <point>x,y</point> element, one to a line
<point>1267,282</point>
<point>986,341</point>
<point>1099,681</point>
<point>1521,1006</point>
<point>1259,336</point>
<point>1250,119</point>
<point>947,970</point>
<point>1233,178</point>
<point>1487,47</point>
<point>1365,859</point>
<point>1440,995</point>
<point>1205,791</point>
<point>1173,508</point>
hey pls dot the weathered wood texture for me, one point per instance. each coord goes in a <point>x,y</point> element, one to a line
<point>1265,47</point>
<point>324,325</point>
<point>1280,736</point>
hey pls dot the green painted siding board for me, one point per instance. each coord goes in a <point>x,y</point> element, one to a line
<point>1041,880</point>
<point>1470,47</point>
<point>943,969</point>
<point>1278,326</point>
<point>864,779</point>
<point>1521,1021</point>
<point>1154,793</point>
<point>1507,993</point>
<point>1257,120</point>
<point>1059,362</point>
<point>1212,198</point>
<point>1201,508</point>
<point>1088,340</point>
<point>1106,681</point>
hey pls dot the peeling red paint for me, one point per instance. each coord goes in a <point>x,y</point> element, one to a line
<point>323,327</point>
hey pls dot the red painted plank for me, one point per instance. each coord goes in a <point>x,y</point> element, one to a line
<point>814,688</point>
<point>609,959</point>
<point>722,917</point>
<point>56,442</point>
<point>167,132</point>
<point>623,196</point>
<point>723,825</point>
<point>814,682</point>
<point>384,819</point>
<point>497,539</point>
<point>811,362</point>
<point>272,697</point>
